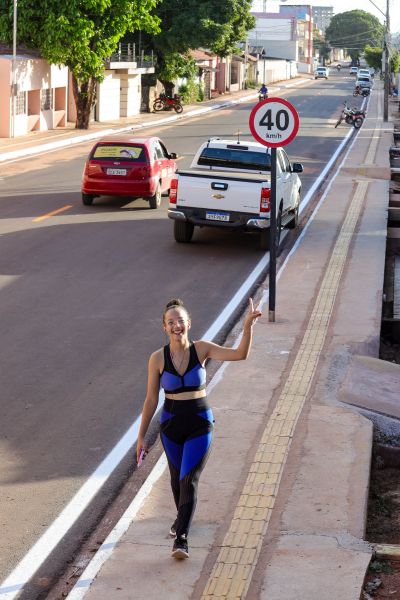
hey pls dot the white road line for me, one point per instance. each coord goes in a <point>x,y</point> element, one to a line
<point>39,552</point>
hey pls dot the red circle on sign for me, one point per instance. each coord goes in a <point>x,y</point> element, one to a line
<point>256,115</point>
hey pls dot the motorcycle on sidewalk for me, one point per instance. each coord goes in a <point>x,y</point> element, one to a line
<point>164,102</point>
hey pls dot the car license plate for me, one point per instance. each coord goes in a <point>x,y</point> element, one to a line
<point>116,171</point>
<point>215,216</point>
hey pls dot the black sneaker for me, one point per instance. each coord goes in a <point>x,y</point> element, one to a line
<point>172,531</point>
<point>180,548</point>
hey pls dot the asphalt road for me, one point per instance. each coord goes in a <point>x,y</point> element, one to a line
<point>81,298</point>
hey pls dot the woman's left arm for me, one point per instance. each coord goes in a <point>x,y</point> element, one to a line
<point>216,352</point>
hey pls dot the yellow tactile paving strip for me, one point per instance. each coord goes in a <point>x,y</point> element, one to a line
<point>238,556</point>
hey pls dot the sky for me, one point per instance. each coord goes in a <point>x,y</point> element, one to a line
<point>345,5</point>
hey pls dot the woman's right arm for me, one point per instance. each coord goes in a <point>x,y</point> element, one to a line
<point>151,401</point>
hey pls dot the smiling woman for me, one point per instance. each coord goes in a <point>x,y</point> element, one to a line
<point>187,421</point>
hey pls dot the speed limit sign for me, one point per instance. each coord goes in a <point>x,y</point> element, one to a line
<point>274,122</point>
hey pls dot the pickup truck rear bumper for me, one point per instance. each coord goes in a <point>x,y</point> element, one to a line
<point>196,216</point>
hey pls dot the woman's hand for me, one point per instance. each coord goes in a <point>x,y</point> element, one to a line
<point>141,445</point>
<point>252,315</point>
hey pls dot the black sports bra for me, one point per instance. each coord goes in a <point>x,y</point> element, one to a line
<point>193,379</point>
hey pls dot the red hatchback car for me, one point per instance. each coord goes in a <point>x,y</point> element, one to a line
<point>122,165</point>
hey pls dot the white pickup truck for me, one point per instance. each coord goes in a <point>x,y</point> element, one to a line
<point>229,185</point>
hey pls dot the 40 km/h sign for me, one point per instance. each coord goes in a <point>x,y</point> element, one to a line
<point>274,122</point>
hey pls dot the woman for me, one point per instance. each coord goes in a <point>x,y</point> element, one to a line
<point>186,421</point>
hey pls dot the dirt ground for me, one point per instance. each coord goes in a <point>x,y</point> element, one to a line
<point>383,524</point>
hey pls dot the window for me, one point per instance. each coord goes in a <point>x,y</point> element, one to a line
<point>120,152</point>
<point>235,159</point>
<point>20,103</point>
<point>285,164</point>
<point>46,99</point>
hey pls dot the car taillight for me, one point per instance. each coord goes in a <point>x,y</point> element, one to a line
<point>93,168</point>
<point>173,191</point>
<point>265,200</point>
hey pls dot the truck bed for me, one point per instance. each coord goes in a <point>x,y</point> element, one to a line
<point>221,174</point>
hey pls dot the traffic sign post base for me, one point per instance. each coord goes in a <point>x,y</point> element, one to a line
<point>271,316</point>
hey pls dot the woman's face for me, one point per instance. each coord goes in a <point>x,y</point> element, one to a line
<point>176,324</point>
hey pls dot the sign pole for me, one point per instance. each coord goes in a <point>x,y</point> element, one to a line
<point>272,241</point>
<point>273,122</point>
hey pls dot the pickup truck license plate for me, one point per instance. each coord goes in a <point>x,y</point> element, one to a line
<point>116,171</point>
<point>216,216</point>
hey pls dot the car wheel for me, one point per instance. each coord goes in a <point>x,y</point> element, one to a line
<point>155,201</point>
<point>87,199</point>
<point>183,231</point>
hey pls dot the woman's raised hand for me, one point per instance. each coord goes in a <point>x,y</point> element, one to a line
<point>252,315</point>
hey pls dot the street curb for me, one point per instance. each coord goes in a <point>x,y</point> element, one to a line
<point>5,156</point>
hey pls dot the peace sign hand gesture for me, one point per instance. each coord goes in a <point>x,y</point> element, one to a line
<point>252,315</point>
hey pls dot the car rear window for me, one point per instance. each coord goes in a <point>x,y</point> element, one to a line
<point>125,152</point>
<point>235,159</point>
<point>364,79</point>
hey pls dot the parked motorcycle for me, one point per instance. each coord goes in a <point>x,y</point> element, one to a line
<point>352,116</point>
<point>164,102</point>
<point>359,91</point>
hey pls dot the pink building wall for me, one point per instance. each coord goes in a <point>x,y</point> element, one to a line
<point>33,77</point>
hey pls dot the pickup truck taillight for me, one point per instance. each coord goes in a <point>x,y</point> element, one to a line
<point>265,200</point>
<point>173,191</point>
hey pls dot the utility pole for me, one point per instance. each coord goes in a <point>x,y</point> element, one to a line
<point>386,89</point>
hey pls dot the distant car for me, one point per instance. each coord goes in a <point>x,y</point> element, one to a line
<point>321,73</point>
<point>123,165</point>
<point>353,70</point>
<point>363,82</point>
<point>364,73</point>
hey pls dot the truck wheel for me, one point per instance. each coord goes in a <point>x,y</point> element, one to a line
<point>265,235</point>
<point>183,231</point>
<point>295,221</point>
<point>155,200</point>
<point>263,243</point>
<point>87,199</point>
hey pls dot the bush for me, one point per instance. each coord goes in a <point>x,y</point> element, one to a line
<point>191,92</point>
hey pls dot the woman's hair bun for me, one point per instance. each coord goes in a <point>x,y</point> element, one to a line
<point>174,302</point>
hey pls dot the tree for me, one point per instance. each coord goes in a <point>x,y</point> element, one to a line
<point>373,56</point>
<point>394,61</point>
<point>189,24</point>
<point>353,30</point>
<point>79,34</point>
<point>321,46</point>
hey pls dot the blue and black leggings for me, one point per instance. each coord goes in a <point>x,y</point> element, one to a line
<point>186,433</point>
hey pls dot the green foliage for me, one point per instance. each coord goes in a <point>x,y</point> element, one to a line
<point>191,91</point>
<point>394,61</point>
<point>373,56</point>
<point>80,34</point>
<point>353,30</point>
<point>176,65</point>
<point>190,24</point>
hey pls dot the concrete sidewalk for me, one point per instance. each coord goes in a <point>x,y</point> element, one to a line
<point>283,498</point>
<point>38,142</point>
